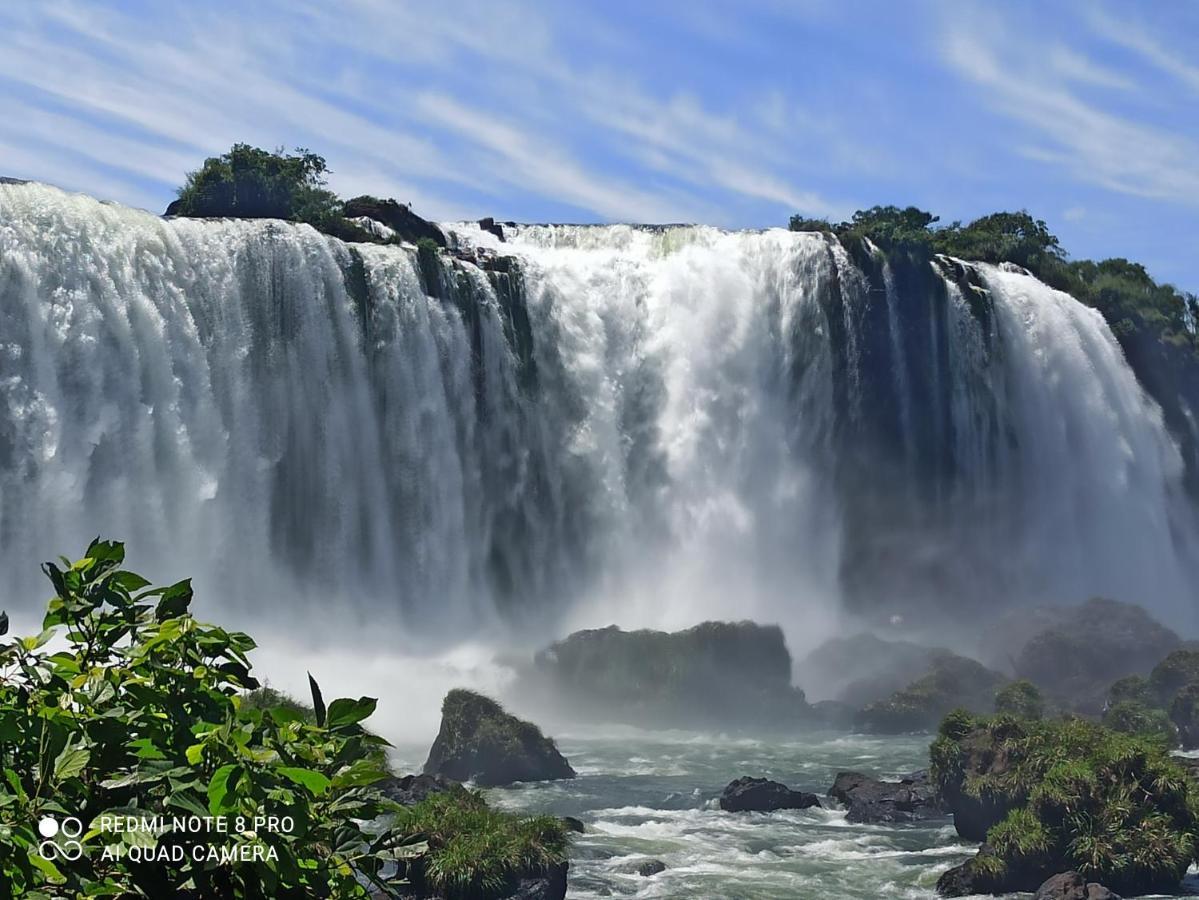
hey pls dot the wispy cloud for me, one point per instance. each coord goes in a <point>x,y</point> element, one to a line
<point>1134,36</point>
<point>1038,86</point>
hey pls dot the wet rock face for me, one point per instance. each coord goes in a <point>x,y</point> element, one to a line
<point>480,742</point>
<point>911,799</point>
<point>651,868</point>
<point>762,795</point>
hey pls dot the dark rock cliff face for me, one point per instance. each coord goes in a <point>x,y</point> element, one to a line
<point>480,742</point>
<point>717,674</point>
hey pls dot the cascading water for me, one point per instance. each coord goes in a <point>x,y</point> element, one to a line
<point>647,426</point>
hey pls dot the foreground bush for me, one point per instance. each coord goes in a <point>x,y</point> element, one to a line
<point>144,712</point>
<point>1050,797</point>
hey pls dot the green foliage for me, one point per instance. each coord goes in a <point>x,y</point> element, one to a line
<point>475,850</point>
<point>254,183</point>
<point>1021,699</point>
<point>1134,688</point>
<point>1172,674</point>
<point>799,223</point>
<point>1072,794</point>
<point>1131,717</point>
<point>143,711</point>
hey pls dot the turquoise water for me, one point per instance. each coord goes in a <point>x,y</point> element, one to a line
<point>651,796</point>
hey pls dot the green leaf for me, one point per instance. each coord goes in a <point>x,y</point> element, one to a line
<point>223,780</point>
<point>194,754</point>
<point>347,712</point>
<point>32,643</point>
<point>51,871</point>
<point>185,801</point>
<point>313,781</point>
<point>175,601</point>
<point>318,702</point>
<point>71,762</point>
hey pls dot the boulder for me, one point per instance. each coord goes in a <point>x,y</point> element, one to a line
<point>413,789</point>
<point>725,675</point>
<point>1088,647</point>
<point>651,868</point>
<point>953,682</point>
<point>762,795</point>
<point>480,742</point>
<point>397,216</point>
<point>911,799</point>
<point>1072,886</point>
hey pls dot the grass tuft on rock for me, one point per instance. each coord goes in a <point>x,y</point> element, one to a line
<point>1052,796</point>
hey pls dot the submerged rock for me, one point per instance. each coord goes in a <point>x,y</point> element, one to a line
<point>763,795</point>
<point>911,799</point>
<point>480,742</point>
<point>1072,886</point>
<point>954,682</point>
<point>651,868</point>
<point>725,675</point>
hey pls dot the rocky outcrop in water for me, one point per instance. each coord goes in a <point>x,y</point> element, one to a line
<point>911,799</point>
<point>651,868</point>
<point>480,742</point>
<point>953,682</point>
<point>726,675</point>
<point>1072,886</point>
<point>763,795</point>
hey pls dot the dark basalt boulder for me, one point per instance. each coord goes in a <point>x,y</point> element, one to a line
<point>492,227</point>
<point>480,742</point>
<point>4,179</point>
<point>911,799</point>
<point>1072,886</point>
<point>763,795</point>
<point>725,675</point>
<point>413,789</point>
<point>953,682</point>
<point>1088,647</point>
<point>396,216</point>
<point>651,868</point>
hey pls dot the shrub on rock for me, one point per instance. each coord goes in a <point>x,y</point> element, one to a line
<point>480,742</point>
<point>1172,674</point>
<point>1068,795</point>
<point>1021,698</point>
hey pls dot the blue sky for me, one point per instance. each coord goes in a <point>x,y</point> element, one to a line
<point>732,113</point>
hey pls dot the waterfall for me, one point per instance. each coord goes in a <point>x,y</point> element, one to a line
<point>641,425</point>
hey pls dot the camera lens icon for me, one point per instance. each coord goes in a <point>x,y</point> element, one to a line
<point>61,838</point>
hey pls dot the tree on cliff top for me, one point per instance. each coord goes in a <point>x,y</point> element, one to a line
<point>258,184</point>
